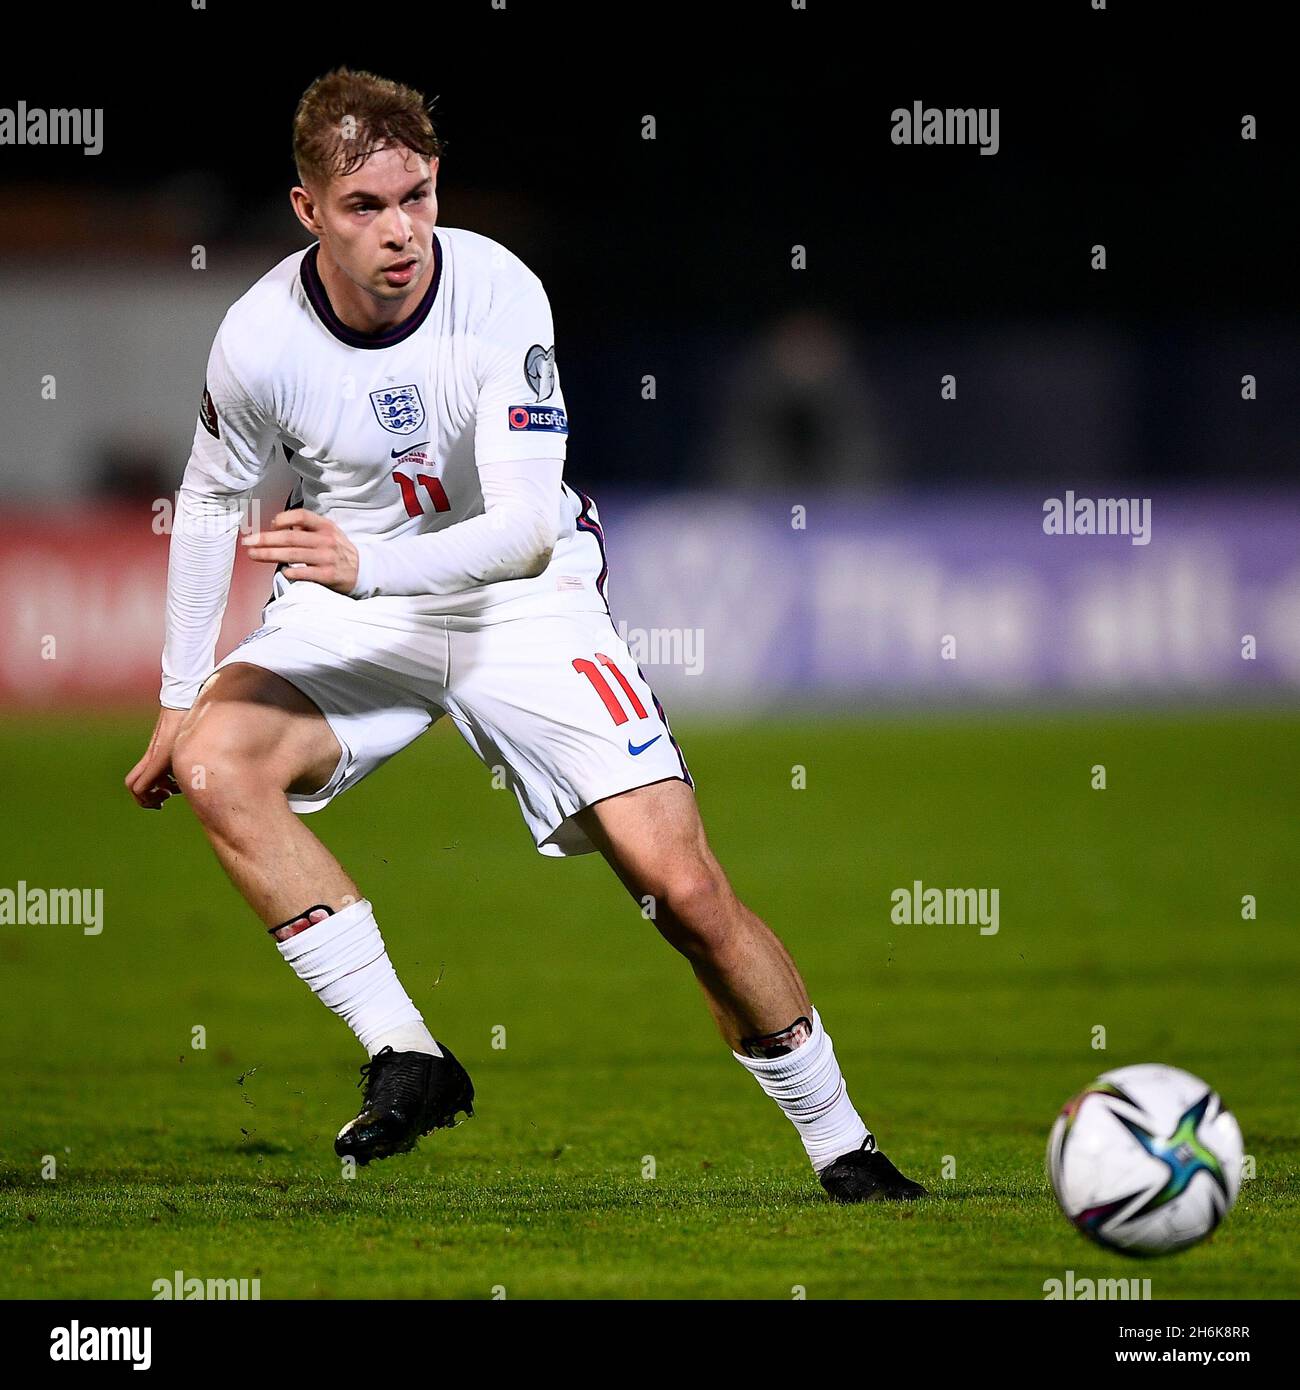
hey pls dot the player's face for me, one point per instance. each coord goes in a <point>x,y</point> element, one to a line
<point>377,222</point>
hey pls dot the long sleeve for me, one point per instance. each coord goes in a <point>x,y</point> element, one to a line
<point>512,539</point>
<point>204,531</point>
<point>233,441</point>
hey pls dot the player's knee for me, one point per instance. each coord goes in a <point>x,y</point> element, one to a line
<point>215,768</point>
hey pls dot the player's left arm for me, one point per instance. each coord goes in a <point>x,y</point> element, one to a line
<point>519,449</point>
<point>512,539</point>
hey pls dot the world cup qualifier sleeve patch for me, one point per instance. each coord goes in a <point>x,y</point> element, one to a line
<point>539,370</point>
<point>538,417</point>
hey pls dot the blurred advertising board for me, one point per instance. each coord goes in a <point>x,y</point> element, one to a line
<point>731,603</point>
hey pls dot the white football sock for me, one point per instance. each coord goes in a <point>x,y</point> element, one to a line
<point>343,961</point>
<point>808,1086</point>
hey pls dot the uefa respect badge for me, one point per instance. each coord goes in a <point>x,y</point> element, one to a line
<point>538,417</point>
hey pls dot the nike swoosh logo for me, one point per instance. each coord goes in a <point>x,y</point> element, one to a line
<point>634,750</point>
<point>397,453</point>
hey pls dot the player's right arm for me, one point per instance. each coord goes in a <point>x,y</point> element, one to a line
<point>233,442</point>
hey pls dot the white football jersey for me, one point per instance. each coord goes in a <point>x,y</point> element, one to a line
<point>385,430</point>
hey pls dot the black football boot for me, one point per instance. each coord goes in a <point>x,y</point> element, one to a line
<point>866,1175</point>
<point>407,1094</point>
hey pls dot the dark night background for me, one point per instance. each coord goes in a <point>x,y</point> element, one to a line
<point>671,256</point>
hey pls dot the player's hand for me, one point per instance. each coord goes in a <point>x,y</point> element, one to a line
<point>150,781</point>
<point>310,547</point>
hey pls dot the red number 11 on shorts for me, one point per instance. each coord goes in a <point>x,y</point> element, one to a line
<point>601,687</point>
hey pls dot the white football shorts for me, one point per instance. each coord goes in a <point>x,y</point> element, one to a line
<point>555,698</point>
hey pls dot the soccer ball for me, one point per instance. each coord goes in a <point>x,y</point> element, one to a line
<point>1145,1160</point>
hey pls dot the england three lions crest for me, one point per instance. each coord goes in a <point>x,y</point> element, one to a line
<point>539,370</point>
<point>398,409</point>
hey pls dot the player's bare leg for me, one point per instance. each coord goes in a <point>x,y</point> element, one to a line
<point>250,738</point>
<point>654,840</point>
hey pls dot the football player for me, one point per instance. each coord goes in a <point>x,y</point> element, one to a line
<point>433,562</point>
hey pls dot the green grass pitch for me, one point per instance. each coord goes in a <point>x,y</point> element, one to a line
<point>1119,908</point>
